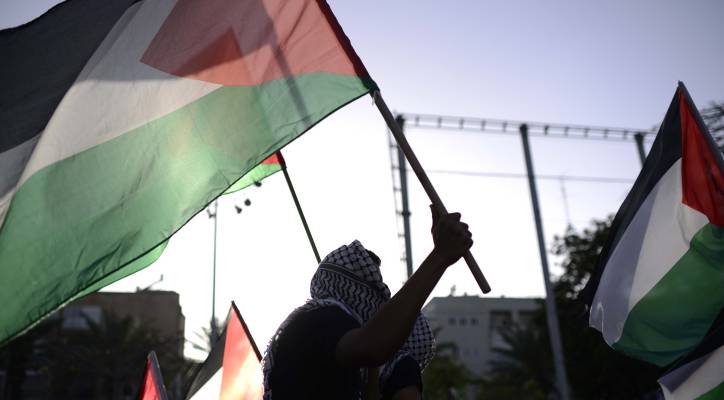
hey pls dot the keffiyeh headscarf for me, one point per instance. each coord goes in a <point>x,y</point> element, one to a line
<point>351,275</point>
<point>348,278</point>
<point>420,345</point>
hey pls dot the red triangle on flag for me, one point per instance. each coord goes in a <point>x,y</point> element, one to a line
<point>702,169</point>
<point>233,368</point>
<point>153,388</point>
<point>247,42</point>
<point>241,377</point>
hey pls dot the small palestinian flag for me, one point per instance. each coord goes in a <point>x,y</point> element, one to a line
<point>122,119</point>
<point>152,388</point>
<point>658,289</point>
<point>267,167</point>
<point>233,368</point>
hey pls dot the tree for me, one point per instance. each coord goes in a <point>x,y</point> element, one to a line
<point>24,353</point>
<point>204,339</point>
<point>595,371</point>
<point>521,370</point>
<point>445,378</point>
<point>105,360</point>
<point>713,117</point>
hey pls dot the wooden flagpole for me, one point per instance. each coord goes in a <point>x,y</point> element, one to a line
<point>422,177</point>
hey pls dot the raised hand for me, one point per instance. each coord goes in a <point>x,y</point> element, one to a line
<point>451,236</point>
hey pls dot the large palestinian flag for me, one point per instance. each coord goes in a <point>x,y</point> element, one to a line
<point>269,166</point>
<point>122,119</point>
<point>232,371</point>
<point>658,290</point>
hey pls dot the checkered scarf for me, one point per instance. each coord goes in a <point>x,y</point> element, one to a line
<point>420,345</point>
<point>350,278</point>
<point>351,275</point>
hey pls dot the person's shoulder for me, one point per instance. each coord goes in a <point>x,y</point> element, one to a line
<point>317,327</point>
<point>322,316</point>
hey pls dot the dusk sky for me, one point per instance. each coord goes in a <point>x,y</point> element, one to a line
<point>612,63</point>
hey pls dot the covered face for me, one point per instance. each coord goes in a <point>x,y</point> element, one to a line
<point>351,275</point>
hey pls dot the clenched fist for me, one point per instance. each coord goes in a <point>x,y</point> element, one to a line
<point>451,236</point>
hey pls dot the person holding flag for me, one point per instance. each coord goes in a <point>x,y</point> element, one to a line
<point>351,340</point>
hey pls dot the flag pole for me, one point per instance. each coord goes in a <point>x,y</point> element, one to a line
<point>424,180</point>
<point>157,377</point>
<point>283,164</point>
<point>247,332</point>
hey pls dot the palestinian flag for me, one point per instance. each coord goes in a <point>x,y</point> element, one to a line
<point>152,388</point>
<point>267,167</point>
<point>700,375</point>
<point>233,367</point>
<point>122,119</point>
<point>659,286</point>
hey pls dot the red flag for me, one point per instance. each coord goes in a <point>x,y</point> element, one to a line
<point>152,388</point>
<point>233,368</point>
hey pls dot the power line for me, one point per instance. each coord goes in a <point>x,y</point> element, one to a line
<point>598,179</point>
<point>525,129</point>
<point>485,125</point>
<point>572,131</point>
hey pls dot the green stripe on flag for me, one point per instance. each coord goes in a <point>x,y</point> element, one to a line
<point>715,394</point>
<point>257,174</point>
<point>685,301</point>
<point>128,269</point>
<point>77,221</point>
<point>260,172</point>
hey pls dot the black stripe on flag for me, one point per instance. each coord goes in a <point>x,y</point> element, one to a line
<point>42,58</point>
<point>664,152</point>
<point>211,366</point>
<point>246,329</point>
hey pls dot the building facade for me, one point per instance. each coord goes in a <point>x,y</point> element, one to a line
<point>473,324</point>
<point>95,347</point>
<point>156,309</point>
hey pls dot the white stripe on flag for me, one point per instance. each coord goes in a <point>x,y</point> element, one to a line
<point>671,227</point>
<point>212,389</point>
<point>656,238</point>
<point>706,377</point>
<point>116,92</point>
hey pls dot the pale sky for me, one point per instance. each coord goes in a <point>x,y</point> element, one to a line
<point>612,63</point>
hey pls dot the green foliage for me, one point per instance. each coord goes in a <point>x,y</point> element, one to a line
<point>595,371</point>
<point>713,117</point>
<point>445,378</point>
<point>522,369</point>
<point>23,353</point>
<point>106,360</point>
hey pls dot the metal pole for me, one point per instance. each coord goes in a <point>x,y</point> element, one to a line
<point>551,313</point>
<point>214,333</point>
<point>299,206</point>
<point>639,138</point>
<point>424,180</point>
<point>402,167</point>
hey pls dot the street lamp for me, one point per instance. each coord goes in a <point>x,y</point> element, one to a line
<point>214,328</point>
